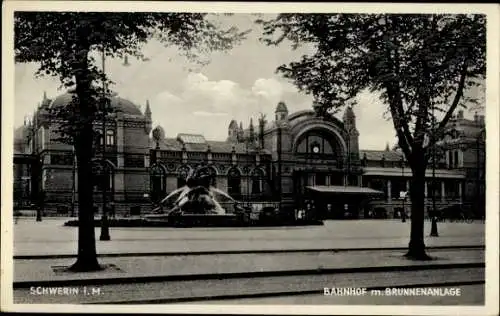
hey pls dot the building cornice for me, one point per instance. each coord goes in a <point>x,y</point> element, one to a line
<point>406,172</point>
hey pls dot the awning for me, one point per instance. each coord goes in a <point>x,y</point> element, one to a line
<point>340,189</point>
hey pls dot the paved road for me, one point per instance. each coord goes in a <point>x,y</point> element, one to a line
<point>50,237</point>
<point>201,290</point>
<point>133,267</point>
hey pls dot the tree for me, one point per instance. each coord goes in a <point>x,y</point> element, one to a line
<point>64,45</point>
<point>421,65</point>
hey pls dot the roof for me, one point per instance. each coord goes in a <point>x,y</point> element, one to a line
<point>377,155</point>
<point>191,138</point>
<point>117,103</point>
<point>343,189</point>
<point>174,144</point>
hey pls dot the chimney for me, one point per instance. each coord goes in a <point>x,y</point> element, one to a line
<point>460,114</point>
<point>476,117</point>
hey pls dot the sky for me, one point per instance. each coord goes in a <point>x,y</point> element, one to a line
<point>187,98</point>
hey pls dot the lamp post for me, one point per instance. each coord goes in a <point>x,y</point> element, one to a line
<point>348,169</point>
<point>105,179</point>
<point>39,210</point>
<point>434,229</point>
<point>73,185</point>
<point>248,176</point>
<point>479,166</point>
<point>39,195</point>
<point>279,166</point>
<point>403,213</point>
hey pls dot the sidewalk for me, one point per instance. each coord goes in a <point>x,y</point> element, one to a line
<point>51,238</point>
<point>146,269</point>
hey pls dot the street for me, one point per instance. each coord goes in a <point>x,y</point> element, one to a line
<point>278,265</point>
<point>51,237</point>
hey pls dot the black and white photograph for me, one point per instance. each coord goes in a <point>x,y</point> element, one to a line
<point>250,157</point>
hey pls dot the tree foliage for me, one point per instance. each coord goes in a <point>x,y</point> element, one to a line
<point>420,64</point>
<point>64,45</point>
<point>417,63</point>
<point>57,41</point>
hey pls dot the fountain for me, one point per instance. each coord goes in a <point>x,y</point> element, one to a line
<point>198,199</point>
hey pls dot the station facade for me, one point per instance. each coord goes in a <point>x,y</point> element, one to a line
<point>294,159</point>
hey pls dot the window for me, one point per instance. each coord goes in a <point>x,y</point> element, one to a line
<point>102,176</point>
<point>316,143</point>
<point>451,189</point>
<point>455,159</point>
<point>98,139</point>
<point>257,181</point>
<point>158,182</point>
<point>378,184</point>
<point>398,185</point>
<point>234,182</point>
<point>434,188</point>
<point>110,137</point>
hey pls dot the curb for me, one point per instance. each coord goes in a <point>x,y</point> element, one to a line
<point>236,275</point>
<point>278,294</point>
<point>230,252</point>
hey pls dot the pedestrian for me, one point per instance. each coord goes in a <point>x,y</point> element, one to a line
<point>112,209</point>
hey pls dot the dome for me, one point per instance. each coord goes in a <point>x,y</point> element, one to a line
<point>281,107</point>
<point>120,104</point>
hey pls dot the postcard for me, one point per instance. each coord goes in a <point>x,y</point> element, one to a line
<point>288,158</point>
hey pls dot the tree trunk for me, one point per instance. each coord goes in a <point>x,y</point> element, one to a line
<point>416,247</point>
<point>87,255</point>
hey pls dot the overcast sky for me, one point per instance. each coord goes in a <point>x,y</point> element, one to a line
<point>186,98</point>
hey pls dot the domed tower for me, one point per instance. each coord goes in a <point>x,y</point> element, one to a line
<point>281,113</point>
<point>351,131</point>
<point>232,132</point>
<point>148,119</point>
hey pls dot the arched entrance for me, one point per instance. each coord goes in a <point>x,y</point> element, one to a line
<point>158,182</point>
<point>319,156</point>
<point>257,175</point>
<point>27,180</point>
<point>103,182</point>
<point>234,183</point>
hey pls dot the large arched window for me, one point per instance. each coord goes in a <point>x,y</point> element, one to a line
<point>102,175</point>
<point>110,137</point>
<point>98,139</point>
<point>317,142</point>
<point>158,182</point>
<point>257,181</point>
<point>234,182</point>
<point>182,175</point>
